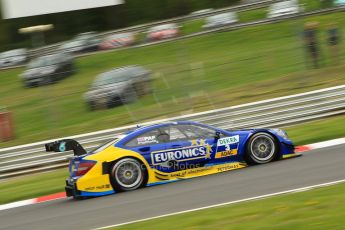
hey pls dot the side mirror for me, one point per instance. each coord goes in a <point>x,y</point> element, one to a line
<point>217,135</point>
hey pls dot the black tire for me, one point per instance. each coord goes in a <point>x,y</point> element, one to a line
<point>127,174</point>
<point>113,102</point>
<point>28,85</point>
<point>129,96</point>
<point>261,148</point>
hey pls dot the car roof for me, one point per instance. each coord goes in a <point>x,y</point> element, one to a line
<point>122,69</point>
<point>118,71</point>
<point>158,125</point>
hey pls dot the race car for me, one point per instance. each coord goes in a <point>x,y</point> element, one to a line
<point>162,153</point>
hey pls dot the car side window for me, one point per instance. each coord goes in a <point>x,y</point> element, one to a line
<point>176,135</point>
<point>194,132</point>
<point>148,138</point>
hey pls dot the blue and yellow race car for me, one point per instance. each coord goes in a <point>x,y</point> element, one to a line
<point>163,153</point>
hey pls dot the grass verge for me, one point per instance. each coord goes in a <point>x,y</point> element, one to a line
<point>321,208</point>
<point>43,184</point>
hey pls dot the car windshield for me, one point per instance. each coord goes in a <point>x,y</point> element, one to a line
<point>111,77</point>
<point>44,61</point>
<point>196,131</point>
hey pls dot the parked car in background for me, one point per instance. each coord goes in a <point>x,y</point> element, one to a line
<point>119,86</point>
<point>284,8</point>
<point>48,69</point>
<point>13,58</point>
<point>220,20</point>
<point>161,32</point>
<point>117,40</point>
<point>84,42</point>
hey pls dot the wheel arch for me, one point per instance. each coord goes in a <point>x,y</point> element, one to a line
<point>107,166</point>
<point>276,139</point>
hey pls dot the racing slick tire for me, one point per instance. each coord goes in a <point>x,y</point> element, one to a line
<point>261,148</point>
<point>127,174</point>
<point>91,105</point>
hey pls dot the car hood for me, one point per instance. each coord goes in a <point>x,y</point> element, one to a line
<point>7,60</point>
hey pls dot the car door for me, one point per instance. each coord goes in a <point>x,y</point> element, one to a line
<point>191,146</point>
<point>148,143</point>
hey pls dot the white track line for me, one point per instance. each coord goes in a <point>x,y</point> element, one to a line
<point>229,203</point>
<point>17,204</point>
<point>326,144</point>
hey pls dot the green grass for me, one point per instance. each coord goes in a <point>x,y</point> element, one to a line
<point>32,186</point>
<point>43,184</point>
<point>317,209</point>
<point>191,27</point>
<point>310,5</point>
<point>253,15</point>
<point>191,75</point>
<point>316,131</point>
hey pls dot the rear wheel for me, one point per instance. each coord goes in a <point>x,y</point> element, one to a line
<point>261,148</point>
<point>128,174</point>
<point>91,105</point>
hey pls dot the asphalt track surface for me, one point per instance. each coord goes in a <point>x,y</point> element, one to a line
<point>314,167</point>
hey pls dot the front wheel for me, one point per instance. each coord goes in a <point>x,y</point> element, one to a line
<point>261,148</point>
<point>127,174</point>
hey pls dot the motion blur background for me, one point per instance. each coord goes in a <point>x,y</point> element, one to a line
<point>260,52</point>
<point>72,73</point>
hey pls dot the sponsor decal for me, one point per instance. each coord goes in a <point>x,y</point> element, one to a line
<point>227,153</point>
<point>62,147</point>
<point>206,170</point>
<point>190,172</point>
<point>182,154</point>
<point>106,186</point>
<point>90,188</point>
<point>228,167</point>
<point>146,140</point>
<point>228,140</point>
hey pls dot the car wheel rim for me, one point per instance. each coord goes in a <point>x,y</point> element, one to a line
<point>262,148</point>
<point>128,174</point>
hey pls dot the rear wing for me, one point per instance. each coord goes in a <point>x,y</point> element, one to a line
<point>65,145</point>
